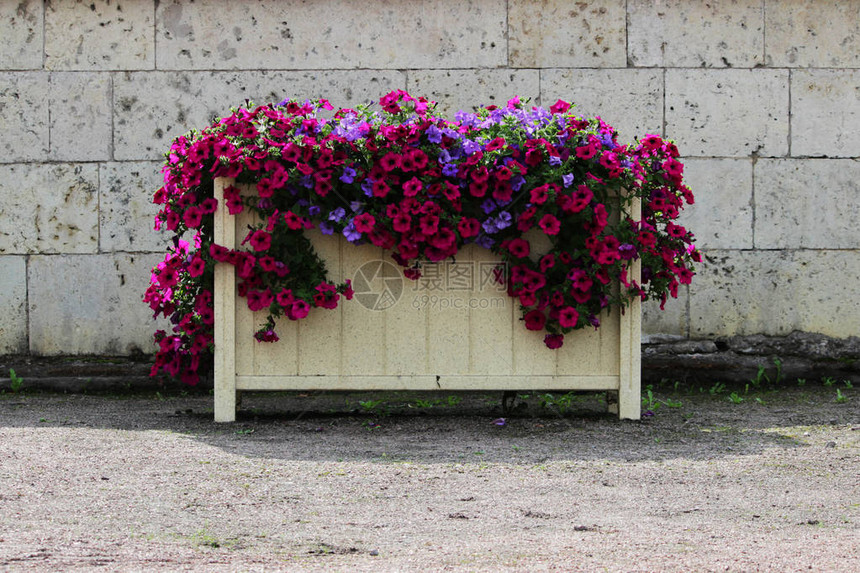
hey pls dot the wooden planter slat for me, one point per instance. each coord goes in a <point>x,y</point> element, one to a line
<point>411,346</point>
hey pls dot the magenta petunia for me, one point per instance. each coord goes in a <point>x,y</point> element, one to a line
<point>364,223</point>
<point>535,320</point>
<point>550,224</point>
<point>554,341</point>
<point>568,317</point>
<point>260,240</point>
<point>519,248</point>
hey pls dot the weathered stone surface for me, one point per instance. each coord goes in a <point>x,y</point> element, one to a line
<point>722,216</point>
<point>671,321</point>
<point>126,211</point>
<point>337,34</point>
<point>678,33</point>
<point>49,208</point>
<point>13,301</point>
<point>154,107</point>
<point>810,345</point>
<point>809,33</point>
<point>775,293</point>
<point>634,108</point>
<point>80,116</point>
<point>24,116</point>
<point>99,35</point>
<point>807,204</point>
<point>561,34</point>
<point>466,90</point>
<point>21,26</point>
<point>825,112</point>
<point>90,304</point>
<point>728,112</point>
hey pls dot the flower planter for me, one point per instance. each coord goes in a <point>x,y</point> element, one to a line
<point>442,333</point>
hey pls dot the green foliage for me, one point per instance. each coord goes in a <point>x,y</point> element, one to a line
<point>717,388</point>
<point>16,383</point>
<point>560,403</point>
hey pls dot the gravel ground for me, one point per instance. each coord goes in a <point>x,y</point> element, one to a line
<point>430,482</point>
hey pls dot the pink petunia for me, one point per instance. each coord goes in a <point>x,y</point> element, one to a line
<point>364,223</point>
<point>568,317</point>
<point>554,341</point>
<point>550,224</point>
<point>519,248</point>
<point>260,240</point>
<point>535,320</point>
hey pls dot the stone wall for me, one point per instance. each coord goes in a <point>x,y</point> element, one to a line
<point>762,97</point>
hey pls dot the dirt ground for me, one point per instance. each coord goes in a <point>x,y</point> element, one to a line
<point>435,482</point>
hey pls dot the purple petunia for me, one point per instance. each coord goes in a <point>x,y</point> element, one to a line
<point>348,175</point>
<point>351,234</point>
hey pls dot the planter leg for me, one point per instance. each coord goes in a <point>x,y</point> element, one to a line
<point>225,405</point>
<point>612,402</point>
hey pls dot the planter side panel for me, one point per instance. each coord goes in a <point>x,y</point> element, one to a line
<point>453,322</point>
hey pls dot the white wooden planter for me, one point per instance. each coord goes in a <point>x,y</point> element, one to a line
<point>469,337</point>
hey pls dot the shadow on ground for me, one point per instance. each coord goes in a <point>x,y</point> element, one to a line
<point>691,424</point>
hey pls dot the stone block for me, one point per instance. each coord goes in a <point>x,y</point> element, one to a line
<point>80,123</point>
<point>49,208</point>
<point>24,116</point>
<point>13,301</point>
<point>99,35</point>
<point>726,113</point>
<point>722,216</point>
<point>629,100</point>
<point>21,25</point>
<point>152,108</point>
<point>90,304</point>
<point>557,33</point>
<point>776,293</point>
<point>810,33</point>
<point>126,211</point>
<point>671,321</point>
<point>825,113</point>
<point>682,34</point>
<point>807,204</point>
<point>466,90</point>
<point>331,34</point>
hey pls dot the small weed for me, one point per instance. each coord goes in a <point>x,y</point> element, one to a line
<point>649,404</point>
<point>828,381</point>
<point>717,388</point>
<point>848,384</point>
<point>16,383</point>
<point>778,363</point>
<point>801,381</point>
<point>759,400</point>
<point>735,398</point>
<point>245,431</point>
<point>559,403</point>
<point>159,396</point>
<point>840,397</point>
<point>673,403</point>
<point>371,404</point>
<point>760,377</point>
